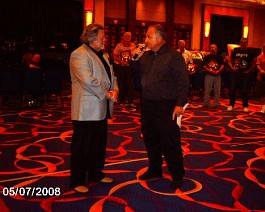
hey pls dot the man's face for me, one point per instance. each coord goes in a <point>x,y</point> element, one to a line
<point>36,58</point>
<point>152,40</point>
<point>127,37</point>
<point>243,44</point>
<point>181,45</point>
<point>213,49</point>
<point>99,43</point>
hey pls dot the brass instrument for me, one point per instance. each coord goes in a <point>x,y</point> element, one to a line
<point>197,57</point>
<point>192,68</point>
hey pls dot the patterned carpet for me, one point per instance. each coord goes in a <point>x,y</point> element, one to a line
<point>224,155</point>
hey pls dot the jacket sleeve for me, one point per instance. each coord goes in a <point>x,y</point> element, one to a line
<point>82,69</point>
<point>182,78</point>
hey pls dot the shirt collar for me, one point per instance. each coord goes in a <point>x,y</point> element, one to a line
<point>99,53</point>
<point>161,50</point>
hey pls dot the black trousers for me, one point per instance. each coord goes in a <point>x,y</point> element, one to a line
<point>161,135</point>
<point>239,81</point>
<point>88,151</point>
<point>126,85</point>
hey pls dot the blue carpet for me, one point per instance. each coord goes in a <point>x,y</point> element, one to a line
<point>224,156</point>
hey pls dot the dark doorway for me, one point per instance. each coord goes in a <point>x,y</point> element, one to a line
<point>225,30</point>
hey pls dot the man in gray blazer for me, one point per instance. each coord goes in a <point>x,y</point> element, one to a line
<point>94,90</point>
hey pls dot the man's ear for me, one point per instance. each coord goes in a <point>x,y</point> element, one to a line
<point>159,38</point>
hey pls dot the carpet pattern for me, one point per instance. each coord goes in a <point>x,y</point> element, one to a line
<point>224,156</point>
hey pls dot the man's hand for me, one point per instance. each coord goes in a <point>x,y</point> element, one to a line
<point>178,110</point>
<point>217,72</point>
<point>113,95</point>
<point>124,63</point>
<point>246,72</point>
<point>234,69</point>
<point>139,51</point>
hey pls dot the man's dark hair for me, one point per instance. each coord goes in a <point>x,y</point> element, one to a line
<point>159,30</point>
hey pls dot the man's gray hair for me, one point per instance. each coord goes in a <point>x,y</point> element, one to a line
<point>90,33</point>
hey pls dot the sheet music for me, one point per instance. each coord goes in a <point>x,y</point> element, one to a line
<point>179,118</point>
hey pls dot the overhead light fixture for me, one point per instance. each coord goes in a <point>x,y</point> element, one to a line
<point>261,1</point>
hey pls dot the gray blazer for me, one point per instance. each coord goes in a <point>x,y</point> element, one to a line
<point>90,83</point>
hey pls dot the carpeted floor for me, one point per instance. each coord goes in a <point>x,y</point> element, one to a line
<point>224,155</point>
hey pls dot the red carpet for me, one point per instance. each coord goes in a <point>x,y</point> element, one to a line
<point>224,162</point>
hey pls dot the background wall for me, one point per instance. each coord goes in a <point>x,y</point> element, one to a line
<point>256,20</point>
<point>151,10</point>
<point>115,9</point>
<point>48,21</point>
<point>258,28</point>
<point>189,12</point>
<point>183,11</point>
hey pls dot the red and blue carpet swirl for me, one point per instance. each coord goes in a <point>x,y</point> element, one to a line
<point>224,156</point>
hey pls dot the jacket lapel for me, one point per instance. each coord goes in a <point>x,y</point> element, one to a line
<point>98,62</point>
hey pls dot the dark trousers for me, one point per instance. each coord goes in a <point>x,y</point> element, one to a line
<point>161,135</point>
<point>125,78</point>
<point>88,151</point>
<point>239,81</point>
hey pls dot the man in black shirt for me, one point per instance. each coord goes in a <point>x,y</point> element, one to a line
<point>165,85</point>
<point>213,65</point>
<point>242,63</point>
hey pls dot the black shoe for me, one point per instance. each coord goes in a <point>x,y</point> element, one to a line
<point>132,105</point>
<point>217,107</point>
<point>175,184</point>
<point>149,176</point>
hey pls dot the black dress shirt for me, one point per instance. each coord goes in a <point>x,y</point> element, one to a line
<point>164,76</point>
<point>100,56</point>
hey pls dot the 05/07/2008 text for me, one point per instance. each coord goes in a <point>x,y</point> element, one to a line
<point>31,191</point>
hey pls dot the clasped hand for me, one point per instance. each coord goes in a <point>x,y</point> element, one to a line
<point>178,110</point>
<point>112,95</point>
